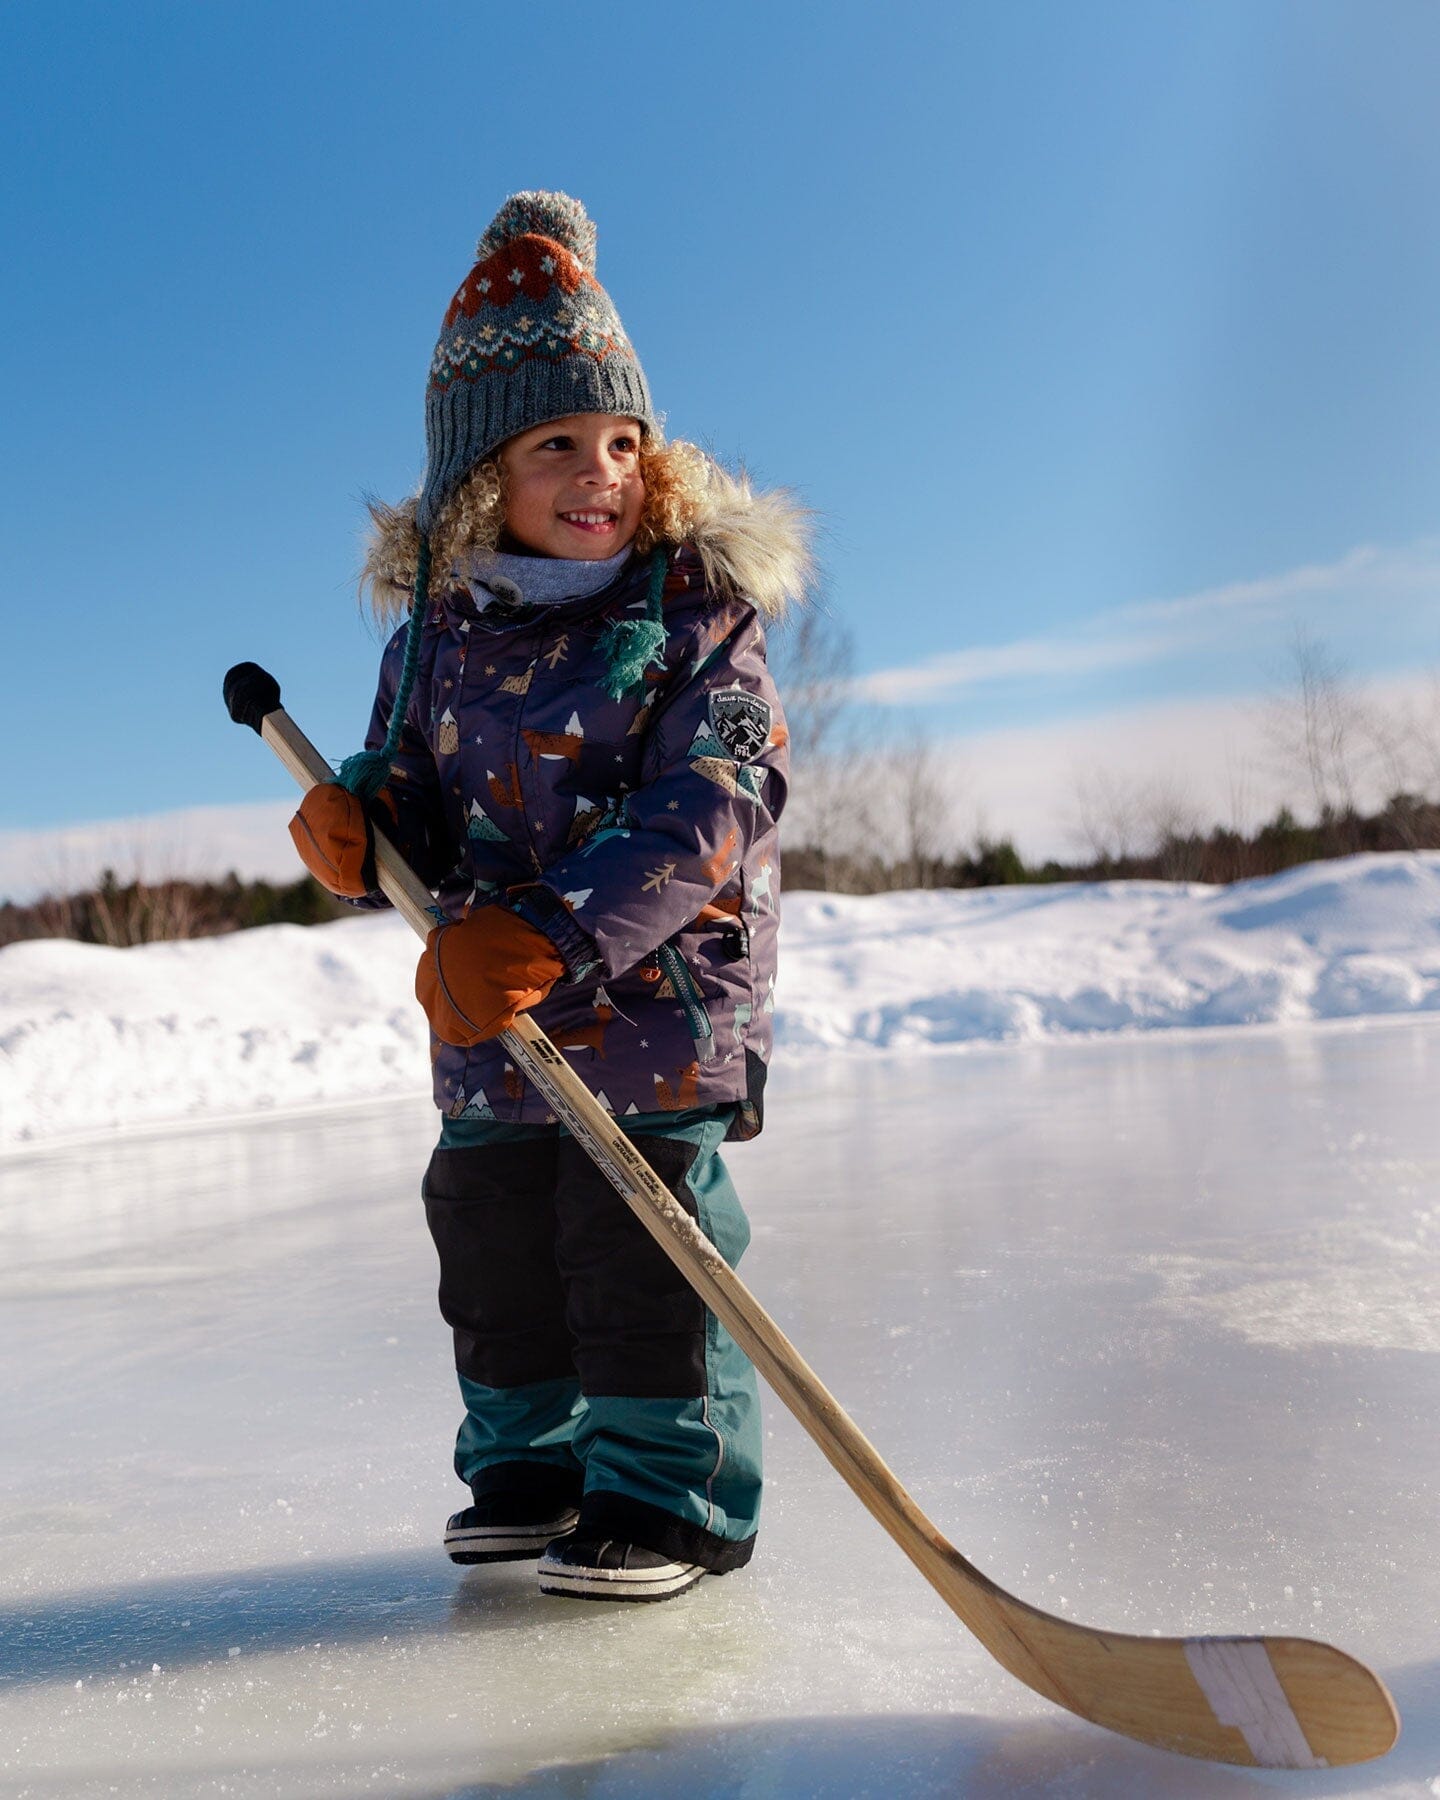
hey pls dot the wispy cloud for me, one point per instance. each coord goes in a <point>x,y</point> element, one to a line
<point>1152,631</point>
<point>956,671</point>
<point>1279,591</point>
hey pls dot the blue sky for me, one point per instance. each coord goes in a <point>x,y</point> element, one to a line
<point>1101,338</point>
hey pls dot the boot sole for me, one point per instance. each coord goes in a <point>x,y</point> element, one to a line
<point>631,1585</point>
<point>506,1543</point>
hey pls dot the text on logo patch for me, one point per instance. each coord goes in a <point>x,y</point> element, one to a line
<point>740,721</point>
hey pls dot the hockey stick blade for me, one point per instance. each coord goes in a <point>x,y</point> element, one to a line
<point>1266,1702</point>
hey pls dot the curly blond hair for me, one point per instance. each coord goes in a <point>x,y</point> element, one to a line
<point>678,478</point>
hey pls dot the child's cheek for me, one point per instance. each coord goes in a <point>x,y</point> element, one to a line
<point>636,513</point>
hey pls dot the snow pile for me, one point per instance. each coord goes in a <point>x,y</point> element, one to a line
<point>1330,940</point>
<point>281,1017</point>
<point>287,1016</point>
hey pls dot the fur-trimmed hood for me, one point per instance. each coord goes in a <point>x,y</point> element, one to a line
<point>752,545</point>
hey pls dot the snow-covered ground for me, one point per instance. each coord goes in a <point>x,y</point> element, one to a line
<point>1146,1321</point>
<point>93,1038</point>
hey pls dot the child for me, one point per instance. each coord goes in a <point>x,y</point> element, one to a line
<point>576,741</point>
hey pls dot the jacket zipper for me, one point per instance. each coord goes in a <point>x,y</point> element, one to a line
<point>688,994</point>
<point>524,701</point>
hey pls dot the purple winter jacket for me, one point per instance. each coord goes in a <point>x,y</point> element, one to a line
<point>639,833</point>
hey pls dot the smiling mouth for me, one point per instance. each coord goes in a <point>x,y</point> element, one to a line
<point>590,521</point>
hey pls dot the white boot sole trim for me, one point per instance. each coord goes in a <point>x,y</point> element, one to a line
<point>496,1539</point>
<point>618,1584</point>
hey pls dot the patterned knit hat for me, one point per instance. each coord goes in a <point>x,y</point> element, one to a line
<point>530,335</point>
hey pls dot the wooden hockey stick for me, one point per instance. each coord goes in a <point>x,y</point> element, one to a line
<point>1271,1702</point>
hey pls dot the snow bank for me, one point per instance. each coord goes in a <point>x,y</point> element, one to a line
<point>281,1017</point>
<point>1330,940</point>
<point>287,1016</point>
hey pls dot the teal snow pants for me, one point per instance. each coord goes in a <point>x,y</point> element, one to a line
<point>592,1375</point>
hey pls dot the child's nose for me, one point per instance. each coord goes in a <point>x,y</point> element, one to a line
<point>599,467</point>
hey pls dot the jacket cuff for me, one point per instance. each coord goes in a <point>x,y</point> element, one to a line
<point>546,911</point>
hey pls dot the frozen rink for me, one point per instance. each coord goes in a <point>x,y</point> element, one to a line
<point>1147,1325</point>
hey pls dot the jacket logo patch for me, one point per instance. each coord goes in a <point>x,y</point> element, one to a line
<point>740,721</point>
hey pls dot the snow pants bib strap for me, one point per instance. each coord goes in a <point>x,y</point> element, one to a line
<point>583,1355</point>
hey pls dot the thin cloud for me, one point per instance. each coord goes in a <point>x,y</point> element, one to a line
<point>1153,630</point>
<point>955,671</point>
<point>1270,591</point>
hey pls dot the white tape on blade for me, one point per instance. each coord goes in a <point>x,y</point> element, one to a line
<point>1238,1679</point>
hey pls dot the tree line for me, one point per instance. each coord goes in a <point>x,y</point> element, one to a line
<point>124,913</point>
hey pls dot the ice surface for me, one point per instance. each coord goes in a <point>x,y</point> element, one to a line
<point>92,1039</point>
<point>1145,1323</point>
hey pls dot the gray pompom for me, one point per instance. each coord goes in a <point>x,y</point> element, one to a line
<point>546,215</point>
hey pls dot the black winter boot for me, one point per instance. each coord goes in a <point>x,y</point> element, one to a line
<point>606,1569</point>
<point>505,1528</point>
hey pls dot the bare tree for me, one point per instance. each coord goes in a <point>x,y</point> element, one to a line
<point>828,818</point>
<point>143,912</point>
<point>921,823</point>
<point>813,656</point>
<point>1427,741</point>
<point>1107,819</point>
<point>1239,796</point>
<point>1315,727</point>
<point>1120,819</point>
<point>1172,826</point>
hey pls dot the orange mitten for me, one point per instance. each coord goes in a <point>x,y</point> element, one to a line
<point>336,844</point>
<point>474,977</point>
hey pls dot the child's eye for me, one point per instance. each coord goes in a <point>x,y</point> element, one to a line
<point>558,443</point>
<point>625,445</point>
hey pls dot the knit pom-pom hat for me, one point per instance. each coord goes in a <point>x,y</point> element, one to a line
<point>530,335</point>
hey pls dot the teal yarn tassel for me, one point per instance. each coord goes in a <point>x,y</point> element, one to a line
<point>365,773</point>
<point>631,646</point>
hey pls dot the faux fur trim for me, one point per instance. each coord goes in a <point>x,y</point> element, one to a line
<point>392,548</point>
<point>752,546</point>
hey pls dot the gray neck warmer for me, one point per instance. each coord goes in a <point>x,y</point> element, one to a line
<point>538,580</point>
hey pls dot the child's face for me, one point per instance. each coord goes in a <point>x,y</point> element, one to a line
<point>573,486</point>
